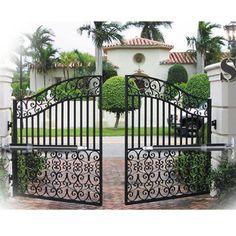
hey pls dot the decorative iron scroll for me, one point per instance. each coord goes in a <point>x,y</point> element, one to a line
<point>61,175</point>
<point>70,89</point>
<point>156,88</point>
<point>162,175</point>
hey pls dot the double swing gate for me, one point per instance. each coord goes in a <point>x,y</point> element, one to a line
<point>61,130</point>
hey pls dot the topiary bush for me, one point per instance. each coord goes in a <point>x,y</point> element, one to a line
<point>177,74</point>
<point>198,85</point>
<point>113,99</point>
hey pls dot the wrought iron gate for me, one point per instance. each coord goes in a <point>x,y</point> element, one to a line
<point>160,115</point>
<point>53,121</point>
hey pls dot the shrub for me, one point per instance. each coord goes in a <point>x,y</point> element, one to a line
<point>198,85</point>
<point>114,96</point>
<point>3,175</point>
<point>29,166</point>
<point>224,178</point>
<point>16,88</point>
<point>177,74</point>
<point>193,169</point>
<point>108,71</point>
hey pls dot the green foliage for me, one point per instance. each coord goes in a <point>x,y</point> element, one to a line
<point>16,88</point>
<point>224,178</point>
<point>193,169</point>
<point>108,70</point>
<point>3,174</point>
<point>114,95</point>
<point>177,74</point>
<point>198,85</point>
<point>29,166</point>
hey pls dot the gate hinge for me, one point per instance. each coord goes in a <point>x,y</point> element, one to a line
<point>9,125</point>
<point>213,123</point>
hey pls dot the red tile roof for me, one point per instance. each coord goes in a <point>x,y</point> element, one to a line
<point>138,42</point>
<point>180,58</point>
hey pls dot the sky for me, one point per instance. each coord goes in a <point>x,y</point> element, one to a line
<point>67,39</point>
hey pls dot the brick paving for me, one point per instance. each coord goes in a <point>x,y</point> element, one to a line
<point>113,196</point>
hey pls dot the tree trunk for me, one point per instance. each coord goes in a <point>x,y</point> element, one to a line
<point>200,57</point>
<point>98,56</point>
<point>117,120</point>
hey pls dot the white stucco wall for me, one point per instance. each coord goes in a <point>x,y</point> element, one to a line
<point>123,58</point>
<point>37,81</point>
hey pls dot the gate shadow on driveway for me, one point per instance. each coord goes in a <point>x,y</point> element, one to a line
<point>113,198</point>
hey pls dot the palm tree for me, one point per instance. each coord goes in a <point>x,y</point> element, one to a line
<point>40,47</point>
<point>150,29</point>
<point>46,61</point>
<point>205,43</point>
<point>102,32</point>
<point>66,59</point>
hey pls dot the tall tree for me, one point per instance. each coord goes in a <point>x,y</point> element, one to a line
<point>102,32</point>
<point>40,50</point>
<point>66,59</point>
<point>151,29</point>
<point>205,44</point>
<point>47,58</point>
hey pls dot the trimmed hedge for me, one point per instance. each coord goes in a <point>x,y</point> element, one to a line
<point>177,74</point>
<point>114,94</point>
<point>198,85</point>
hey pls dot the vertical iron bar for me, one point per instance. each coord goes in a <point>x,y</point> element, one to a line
<point>139,108</point>
<point>50,125</point>
<point>157,120</point>
<point>175,136</point>
<point>163,122</point>
<point>74,121</point>
<point>132,122</point>
<point>68,122</point>
<point>44,128</point>
<point>38,130</point>
<point>56,114</point>
<point>26,129</point>
<point>62,122</point>
<point>151,121</point>
<point>169,135</point>
<point>209,115</point>
<point>21,121</point>
<point>181,127</point>
<point>126,139</point>
<point>32,130</point>
<point>100,138</point>
<point>145,120</point>
<point>186,128</point>
<point>81,121</point>
<point>192,123</point>
<point>87,122</point>
<point>14,153</point>
<point>94,123</point>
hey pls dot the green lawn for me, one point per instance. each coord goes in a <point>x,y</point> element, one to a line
<point>106,132</point>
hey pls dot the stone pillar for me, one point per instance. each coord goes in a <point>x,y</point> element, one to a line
<point>223,95</point>
<point>6,75</point>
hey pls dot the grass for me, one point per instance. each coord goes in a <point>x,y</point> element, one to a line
<point>106,132</point>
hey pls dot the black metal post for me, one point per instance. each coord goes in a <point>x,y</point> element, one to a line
<point>126,139</point>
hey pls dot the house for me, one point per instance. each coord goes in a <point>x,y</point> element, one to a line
<point>54,75</point>
<point>149,57</point>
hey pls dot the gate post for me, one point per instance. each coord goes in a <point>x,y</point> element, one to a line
<point>6,75</point>
<point>223,95</point>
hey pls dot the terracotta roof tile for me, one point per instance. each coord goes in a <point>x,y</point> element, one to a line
<point>180,58</point>
<point>138,42</point>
